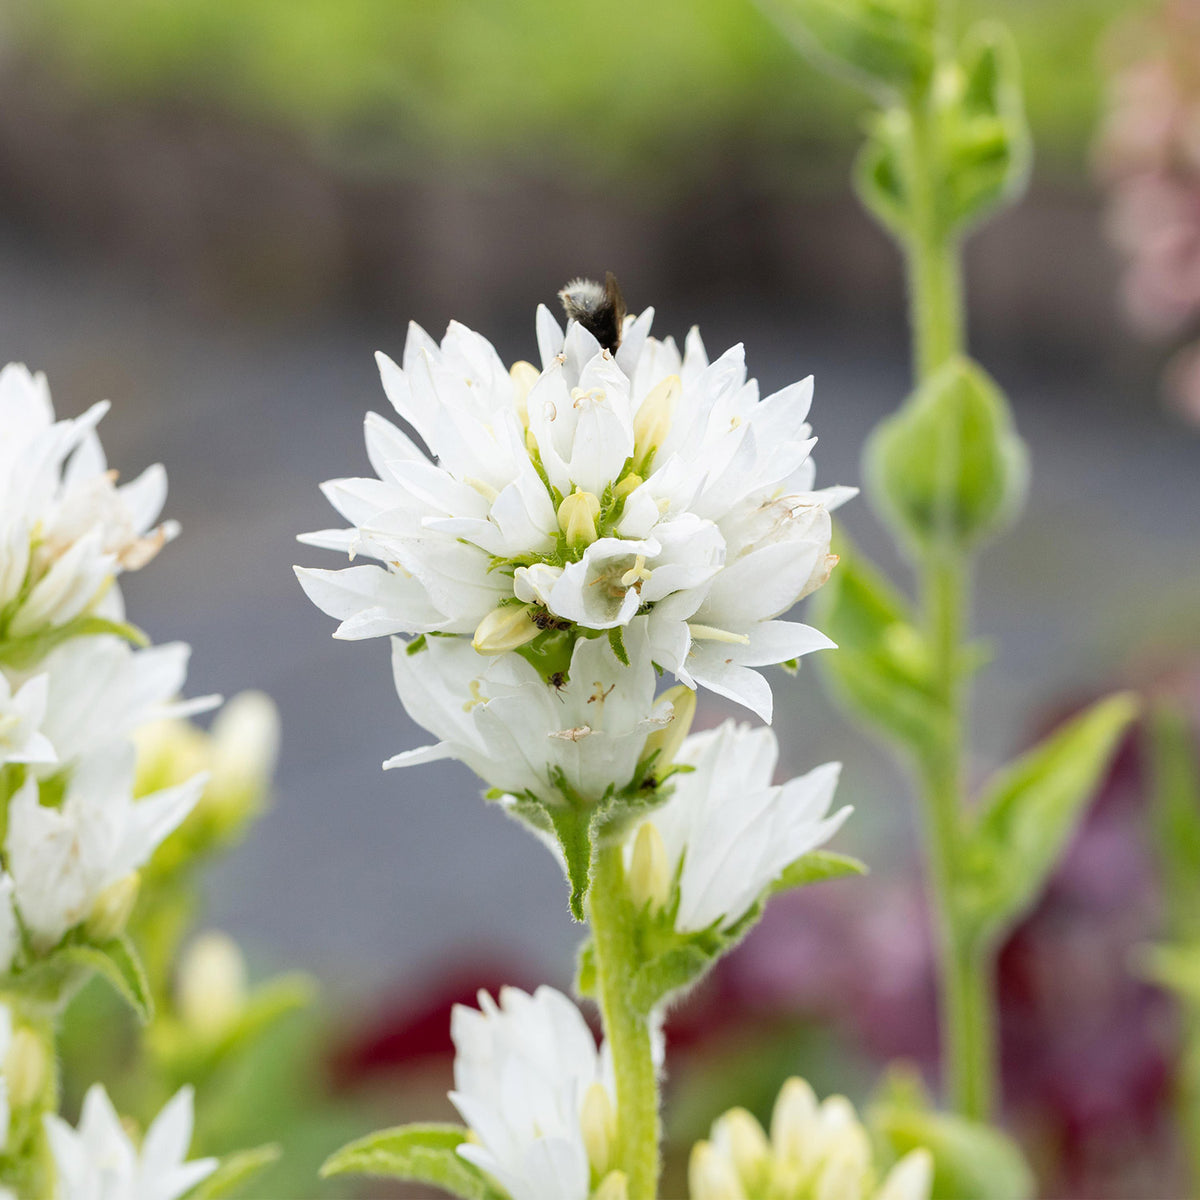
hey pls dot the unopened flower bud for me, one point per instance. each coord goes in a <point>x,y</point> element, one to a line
<point>649,870</point>
<point>26,1069</point>
<point>653,420</point>
<point>577,516</point>
<point>210,990</point>
<point>598,1121</point>
<point>503,629</point>
<point>615,1186</point>
<point>793,1131</point>
<point>670,737</point>
<point>245,745</point>
<point>110,914</point>
<point>630,483</point>
<point>711,1175</point>
<point>910,1179</point>
<point>524,375</point>
<point>741,1138</point>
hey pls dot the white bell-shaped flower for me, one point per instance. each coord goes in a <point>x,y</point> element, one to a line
<point>66,528</point>
<point>535,1092</point>
<point>99,1160</point>
<point>63,858</point>
<point>726,833</point>
<point>22,713</point>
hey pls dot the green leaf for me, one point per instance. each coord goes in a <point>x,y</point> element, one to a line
<point>971,1161</point>
<point>117,962</point>
<point>885,45</point>
<point>23,652</point>
<point>881,669</point>
<point>234,1171</point>
<point>948,468</point>
<point>1175,811</point>
<point>1176,968</point>
<point>816,867</point>
<point>1029,812</point>
<point>417,1153</point>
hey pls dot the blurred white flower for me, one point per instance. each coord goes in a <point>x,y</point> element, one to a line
<point>22,711</point>
<point>63,858</point>
<point>10,932</point>
<point>604,487</point>
<point>6,1039</point>
<point>101,689</point>
<point>815,1152</point>
<point>535,1093</point>
<point>498,715</point>
<point>99,1161</point>
<point>726,833</point>
<point>66,529</point>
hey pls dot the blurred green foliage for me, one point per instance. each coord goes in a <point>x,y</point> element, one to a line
<point>662,92</point>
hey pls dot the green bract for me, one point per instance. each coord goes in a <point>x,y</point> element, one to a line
<point>948,468</point>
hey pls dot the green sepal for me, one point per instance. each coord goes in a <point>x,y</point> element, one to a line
<point>1030,811</point>
<point>971,1161</point>
<point>19,653</point>
<point>886,46</point>
<point>881,172</point>
<point>53,981</point>
<point>881,671</point>
<point>816,867</point>
<point>616,639</point>
<point>948,468</point>
<point>234,1171</point>
<point>670,962</point>
<point>573,828</point>
<point>417,1154</point>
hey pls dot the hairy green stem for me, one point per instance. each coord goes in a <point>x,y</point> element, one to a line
<point>933,257</point>
<point>627,1030</point>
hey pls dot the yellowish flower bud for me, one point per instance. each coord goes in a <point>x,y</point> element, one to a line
<point>598,1121</point>
<point>741,1137</point>
<point>245,744</point>
<point>577,516</point>
<point>210,989</point>
<point>653,420</point>
<point>711,1175</point>
<point>524,375</point>
<point>630,483</point>
<point>26,1069</point>
<point>110,914</point>
<point>615,1186</point>
<point>649,870</point>
<point>503,629</point>
<point>910,1179</point>
<point>670,737</point>
<point>793,1132</point>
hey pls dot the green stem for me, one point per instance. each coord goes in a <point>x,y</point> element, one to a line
<point>627,1030</point>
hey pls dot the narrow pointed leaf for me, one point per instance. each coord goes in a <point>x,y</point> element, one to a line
<point>816,867</point>
<point>1030,811</point>
<point>234,1172</point>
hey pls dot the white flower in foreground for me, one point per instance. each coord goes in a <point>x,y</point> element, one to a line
<point>605,487</point>
<point>22,711</point>
<point>815,1152</point>
<point>535,1094</point>
<point>63,858</point>
<point>66,529</point>
<point>499,716</point>
<point>99,1161</point>
<point>730,828</point>
<point>101,689</point>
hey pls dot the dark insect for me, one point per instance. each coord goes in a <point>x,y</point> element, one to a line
<point>543,620</point>
<point>599,309</point>
<point>558,681</point>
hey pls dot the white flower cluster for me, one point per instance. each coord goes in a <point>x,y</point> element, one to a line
<point>72,689</point>
<point>609,490</point>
